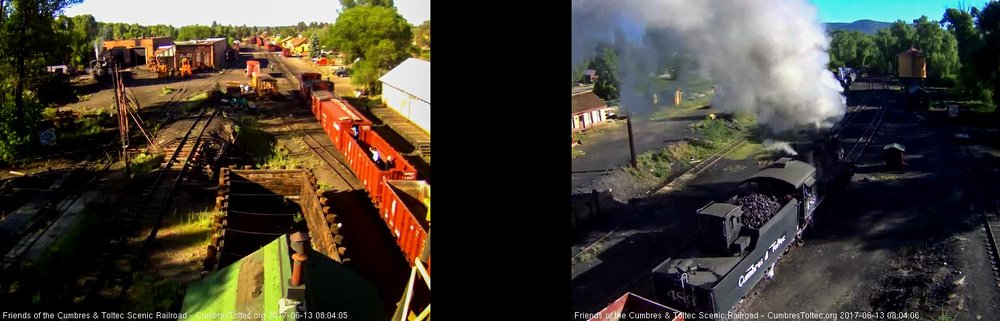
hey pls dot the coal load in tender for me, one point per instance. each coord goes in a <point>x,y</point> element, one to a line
<point>757,209</point>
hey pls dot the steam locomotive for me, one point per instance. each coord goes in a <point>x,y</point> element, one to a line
<point>846,76</point>
<point>740,240</point>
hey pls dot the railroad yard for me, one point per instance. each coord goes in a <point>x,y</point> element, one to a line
<point>239,167</point>
<point>910,241</point>
<point>871,200</point>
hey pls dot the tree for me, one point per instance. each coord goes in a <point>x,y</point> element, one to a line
<point>30,40</point>
<point>194,32</point>
<point>605,64</point>
<point>377,35</point>
<point>314,47</point>
<point>940,47</point>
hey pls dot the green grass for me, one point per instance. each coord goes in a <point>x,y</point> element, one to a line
<point>257,144</point>
<point>194,102</point>
<point>577,153</point>
<point>748,150</point>
<point>686,107</point>
<point>151,294</point>
<point>599,129</point>
<point>710,136</point>
<point>167,90</point>
<point>280,158</point>
<point>84,97</point>
<point>199,223</point>
<point>144,163</point>
<point>50,113</point>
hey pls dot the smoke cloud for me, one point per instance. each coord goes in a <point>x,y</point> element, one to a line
<point>773,145</point>
<point>766,57</point>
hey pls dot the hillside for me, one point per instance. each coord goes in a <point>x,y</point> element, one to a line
<point>866,26</point>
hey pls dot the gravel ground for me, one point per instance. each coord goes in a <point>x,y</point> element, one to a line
<point>892,242</point>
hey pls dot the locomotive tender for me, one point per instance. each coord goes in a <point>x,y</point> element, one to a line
<point>737,246</point>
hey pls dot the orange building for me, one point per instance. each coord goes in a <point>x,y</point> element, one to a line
<point>133,52</point>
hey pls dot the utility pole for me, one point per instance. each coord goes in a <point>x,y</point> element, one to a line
<point>122,117</point>
<point>631,142</point>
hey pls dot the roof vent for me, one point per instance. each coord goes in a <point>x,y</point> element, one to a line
<point>781,163</point>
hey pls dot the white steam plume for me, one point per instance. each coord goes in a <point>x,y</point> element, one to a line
<point>774,145</point>
<point>766,57</point>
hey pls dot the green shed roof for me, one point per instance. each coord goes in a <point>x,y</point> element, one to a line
<point>252,287</point>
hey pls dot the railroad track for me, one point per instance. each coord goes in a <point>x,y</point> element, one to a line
<point>323,152</point>
<point>66,191</point>
<point>336,164</point>
<point>126,250</point>
<point>868,94</point>
<point>979,185</point>
<point>871,129</point>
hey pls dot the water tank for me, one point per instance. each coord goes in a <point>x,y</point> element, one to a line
<point>912,64</point>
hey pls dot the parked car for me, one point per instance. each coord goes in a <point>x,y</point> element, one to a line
<point>341,72</point>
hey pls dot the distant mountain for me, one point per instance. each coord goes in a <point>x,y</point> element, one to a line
<point>866,26</point>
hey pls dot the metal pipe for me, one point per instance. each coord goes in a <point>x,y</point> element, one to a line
<point>631,142</point>
<point>297,258</point>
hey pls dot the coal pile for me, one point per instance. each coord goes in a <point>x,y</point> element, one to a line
<point>757,209</point>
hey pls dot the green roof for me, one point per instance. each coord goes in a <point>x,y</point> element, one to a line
<point>255,284</point>
<point>251,285</point>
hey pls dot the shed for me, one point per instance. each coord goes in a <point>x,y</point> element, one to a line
<point>260,283</point>
<point>588,110</point>
<point>204,54</point>
<point>407,90</point>
<point>133,52</point>
<point>894,156</point>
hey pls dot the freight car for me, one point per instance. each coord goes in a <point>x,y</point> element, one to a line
<point>309,81</point>
<point>740,241</point>
<point>390,180</point>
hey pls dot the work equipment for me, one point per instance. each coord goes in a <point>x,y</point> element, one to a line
<point>186,67</point>
<point>264,85</point>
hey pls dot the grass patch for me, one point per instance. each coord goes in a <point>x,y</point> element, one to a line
<point>599,129</point>
<point>50,113</point>
<point>748,150</point>
<point>167,90</point>
<point>685,108</point>
<point>944,316</point>
<point>280,157</point>
<point>150,294</point>
<point>194,102</point>
<point>979,107</point>
<point>83,97</point>
<point>577,153</point>
<point>199,224</point>
<point>144,163</point>
<point>256,143</point>
<point>710,136</point>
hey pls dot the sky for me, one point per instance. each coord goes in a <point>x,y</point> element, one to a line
<point>243,12</point>
<point>886,10</point>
